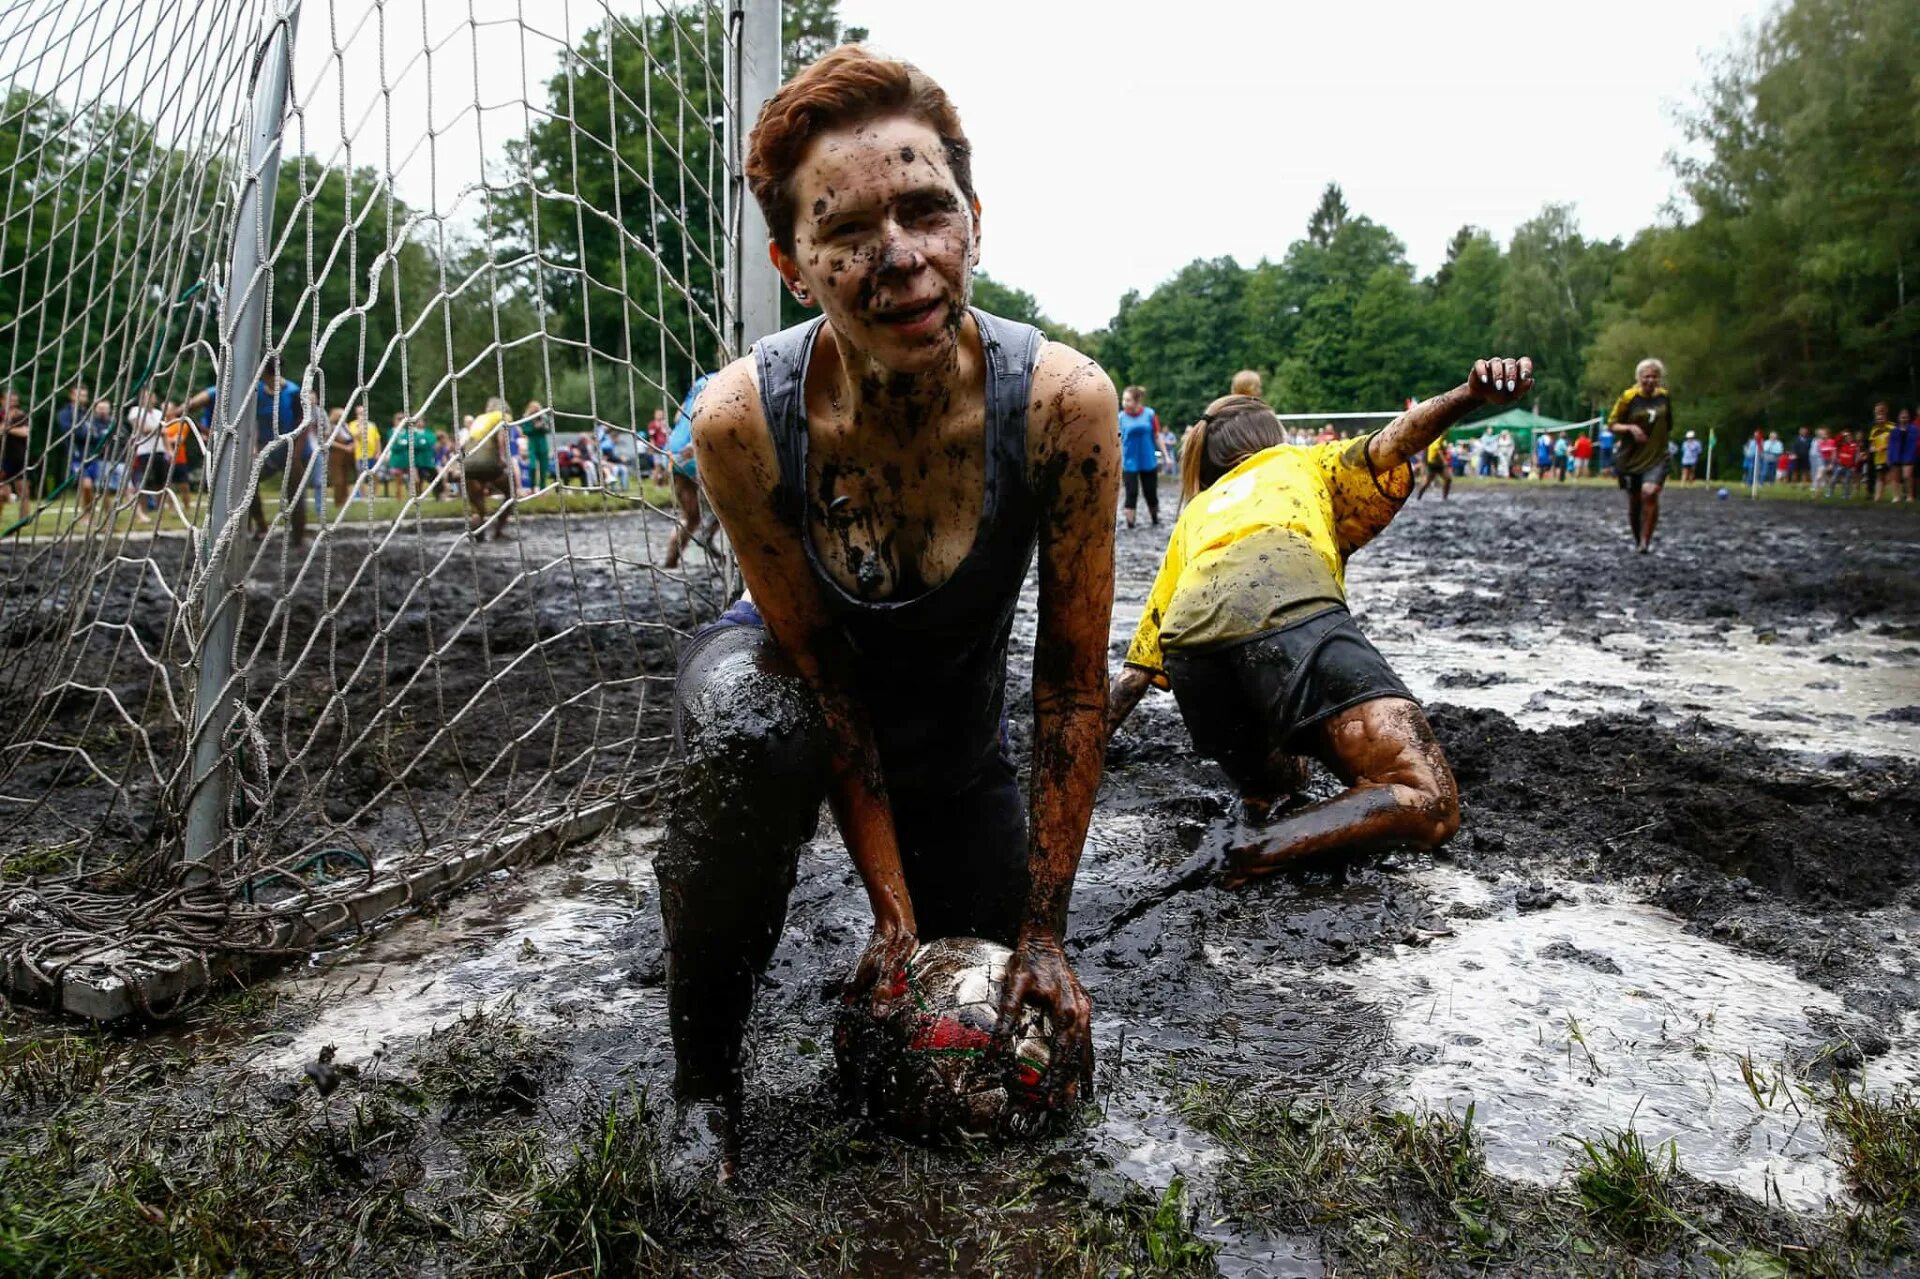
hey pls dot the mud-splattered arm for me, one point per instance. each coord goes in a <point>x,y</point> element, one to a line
<point>1072,430</point>
<point>1493,380</point>
<point>740,473</point>
<point>1073,452</point>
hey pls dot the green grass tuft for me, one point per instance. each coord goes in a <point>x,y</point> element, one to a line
<point>1881,1150</point>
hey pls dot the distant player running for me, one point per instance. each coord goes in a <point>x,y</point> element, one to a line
<point>1642,419</point>
<point>1439,467</point>
<point>1247,624</point>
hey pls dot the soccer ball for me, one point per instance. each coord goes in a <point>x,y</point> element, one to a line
<point>923,1065</point>
<point>1722,495</point>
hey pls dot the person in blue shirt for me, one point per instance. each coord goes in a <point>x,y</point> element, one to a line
<point>278,421</point>
<point>1139,452</point>
<point>1542,456</point>
<point>87,434</point>
<point>1603,449</point>
<point>686,479</point>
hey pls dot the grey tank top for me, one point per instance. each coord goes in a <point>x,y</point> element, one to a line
<point>931,668</point>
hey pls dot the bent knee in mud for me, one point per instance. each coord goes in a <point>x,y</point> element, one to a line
<point>1391,744</point>
<point>752,744</point>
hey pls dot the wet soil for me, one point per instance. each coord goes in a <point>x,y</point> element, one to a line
<point>1790,850</point>
<point>406,687</point>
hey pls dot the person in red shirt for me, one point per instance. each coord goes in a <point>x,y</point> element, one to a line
<point>1582,456</point>
<point>1844,463</point>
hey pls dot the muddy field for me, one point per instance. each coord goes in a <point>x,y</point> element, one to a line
<point>408,689</point>
<point>1655,1009</point>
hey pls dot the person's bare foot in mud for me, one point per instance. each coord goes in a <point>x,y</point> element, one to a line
<point>1400,792</point>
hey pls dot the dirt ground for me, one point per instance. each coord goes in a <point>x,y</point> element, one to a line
<point>1696,767</point>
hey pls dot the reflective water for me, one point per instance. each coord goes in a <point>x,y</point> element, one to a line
<point>1813,690</point>
<point>546,939</point>
<point>1603,1014</point>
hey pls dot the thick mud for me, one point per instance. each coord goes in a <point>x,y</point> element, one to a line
<point>1647,903</point>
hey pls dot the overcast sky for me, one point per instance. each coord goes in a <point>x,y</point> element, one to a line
<point>1117,141</point>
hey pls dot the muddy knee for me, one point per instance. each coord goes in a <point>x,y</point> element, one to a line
<point>1438,801</point>
<point>752,745</point>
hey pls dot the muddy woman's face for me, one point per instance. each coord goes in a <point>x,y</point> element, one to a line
<point>884,241</point>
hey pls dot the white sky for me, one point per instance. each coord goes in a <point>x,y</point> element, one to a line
<point>1115,140</point>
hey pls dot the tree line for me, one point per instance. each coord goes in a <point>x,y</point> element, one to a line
<point>1774,286</point>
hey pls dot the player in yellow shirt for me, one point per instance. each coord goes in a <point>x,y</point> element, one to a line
<point>1642,422</point>
<point>1877,436</point>
<point>487,466</point>
<point>1247,624</point>
<point>1439,467</point>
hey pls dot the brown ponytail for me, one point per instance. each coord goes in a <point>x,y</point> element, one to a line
<point>1233,429</point>
<point>1193,447</point>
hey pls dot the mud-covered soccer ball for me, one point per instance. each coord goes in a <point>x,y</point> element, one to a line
<point>1722,495</point>
<point>925,1066</point>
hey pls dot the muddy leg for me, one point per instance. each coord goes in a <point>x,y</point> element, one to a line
<point>1401,792</point>
<point>1649,515</point>
<point>752,780</point>
<point>1633,512</point>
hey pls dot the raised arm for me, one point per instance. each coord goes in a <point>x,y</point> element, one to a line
<point>740,474</point>
<point>1073,430</point>
<point>1493,381</point>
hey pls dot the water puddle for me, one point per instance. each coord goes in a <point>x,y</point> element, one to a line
<point>547,938</point>
<point>1603,1013</point>
<point>1816,692</point>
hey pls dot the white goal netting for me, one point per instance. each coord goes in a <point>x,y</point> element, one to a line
<point>496,263</point>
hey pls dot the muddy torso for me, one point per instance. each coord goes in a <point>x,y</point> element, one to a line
<point>893,508</point>
<point>920,539</point>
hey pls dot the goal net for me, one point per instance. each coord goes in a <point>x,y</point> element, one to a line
<point>406,569</point>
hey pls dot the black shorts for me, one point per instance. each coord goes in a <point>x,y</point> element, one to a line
<point>1249,702</point>
<point>13,458</point>
<point>963,850</point>
<point>155,469</point>
<point>1655,475</point>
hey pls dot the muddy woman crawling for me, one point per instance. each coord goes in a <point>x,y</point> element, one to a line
<point>1248,625</point>
<point>885,473</point>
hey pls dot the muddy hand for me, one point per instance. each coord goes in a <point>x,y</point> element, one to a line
<point>1039,974</point>
<point>1496,380</point>
<point>881,963</point>
<point>1246,862</point>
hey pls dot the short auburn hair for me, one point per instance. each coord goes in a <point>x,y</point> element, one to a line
<point>846,86</point>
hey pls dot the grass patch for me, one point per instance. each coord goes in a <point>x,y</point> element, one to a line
<point>1881,1144</point>
<point>49,1071</point>
<point>487,1063</point>
<point>1391,1193</point>
<point>29,862</point>
<point>112,516</point>
<point>1627,1188</point>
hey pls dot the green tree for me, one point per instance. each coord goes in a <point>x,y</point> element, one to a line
<point>1329,217</point>
<point>1553,281</point>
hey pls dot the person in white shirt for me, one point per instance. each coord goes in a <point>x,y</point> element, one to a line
<point>152,459</point>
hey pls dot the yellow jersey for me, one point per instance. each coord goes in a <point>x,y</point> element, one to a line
<point>366,441</point>
<point>1877,437</point>
<point>1265,545</point>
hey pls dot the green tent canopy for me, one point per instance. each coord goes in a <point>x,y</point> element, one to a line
<point>1523,424</point>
